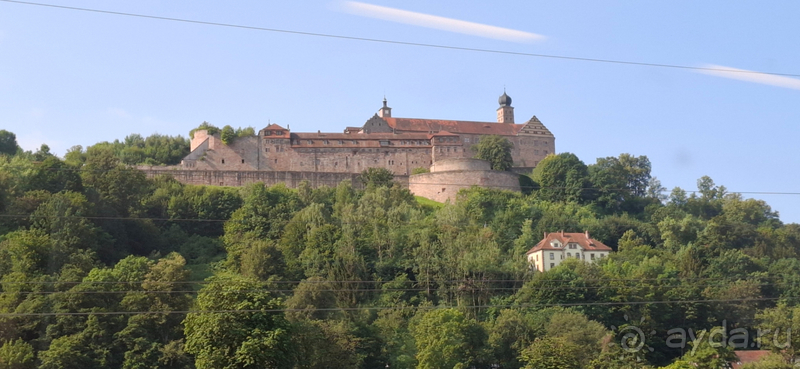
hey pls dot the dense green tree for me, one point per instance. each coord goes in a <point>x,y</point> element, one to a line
<point>376,177</point>
<point>562,177</point>
<point>551,353</point>
<point>620,183</point>
<point>53,175</point>
<point>236,326</point>
<point>772,361</point>
<point>322,343</point>
<point>496,150</point>
<point>446,338</point>
<point>512,332</point>
<point>17,354</point>
<point>228,135</point>
<point>8,142</point>
<point>579,330</point>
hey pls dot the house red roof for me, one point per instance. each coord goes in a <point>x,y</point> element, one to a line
<point>582,239</point>
<point>454,126</point>
<point>747,356</point>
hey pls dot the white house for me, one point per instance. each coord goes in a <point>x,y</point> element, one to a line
<point>557,247</point>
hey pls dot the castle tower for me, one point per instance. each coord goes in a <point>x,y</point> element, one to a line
<point>385,112</point>
<point>505,113</point>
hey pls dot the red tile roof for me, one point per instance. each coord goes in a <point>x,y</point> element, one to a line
<point>454,126</point>
<point>443,133</point>
<point>364,136</point>
<point>582,239</point>
<point>274,126</point>
<point>748,356</point>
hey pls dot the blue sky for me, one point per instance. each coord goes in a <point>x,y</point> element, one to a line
<point>76,78</point>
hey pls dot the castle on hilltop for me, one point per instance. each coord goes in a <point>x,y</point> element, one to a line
<point>397,144</point>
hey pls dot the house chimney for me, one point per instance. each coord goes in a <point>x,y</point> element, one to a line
<point>587,234</point>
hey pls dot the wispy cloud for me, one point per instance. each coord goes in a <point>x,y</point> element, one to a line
<point>440,23</point>
<point>750,76</point>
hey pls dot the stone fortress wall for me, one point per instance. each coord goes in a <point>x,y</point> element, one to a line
<point>277,155</point>
<point>397,144</point>
<point>447,177</point>
<point>241,178</point>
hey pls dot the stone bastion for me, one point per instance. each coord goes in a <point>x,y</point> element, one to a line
<point>449,176</point>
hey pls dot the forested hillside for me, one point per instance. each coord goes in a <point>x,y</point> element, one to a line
<point>103,268</point>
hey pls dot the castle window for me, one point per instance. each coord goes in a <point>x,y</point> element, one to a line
<point>279,133</point>
<point>341,142</point>
<point>276,161</point>
<point>242,161</point>
<point>552,257</point>
<point>309,141</point>
<point>591,256</point>
<point>355,142</point>
<point>325,142</point>
<point>223,161</point>
<point>267,133</point>
<point>545,152</point>
<point>569,255</point>
<point>466,140</point>
<point>266,149</point>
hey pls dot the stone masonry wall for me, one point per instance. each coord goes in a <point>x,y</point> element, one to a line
<point>443,186</point>
<point>241,178</point>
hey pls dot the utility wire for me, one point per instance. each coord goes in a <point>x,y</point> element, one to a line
<point>452,281</point>
<point>395,42</point>
<point>614,303</point>
<point>418,289</point>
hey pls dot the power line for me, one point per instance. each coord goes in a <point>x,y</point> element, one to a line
<point>448,281</point>
<point>418,289</point>
<point>614,303</point>
<point>395,42</point>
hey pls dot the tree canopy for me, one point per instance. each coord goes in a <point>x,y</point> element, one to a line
<point>496,150</point>
<point>102,267</point>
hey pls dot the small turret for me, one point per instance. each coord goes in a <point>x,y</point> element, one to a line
<point>505,113</point>
<point>385,112</point>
